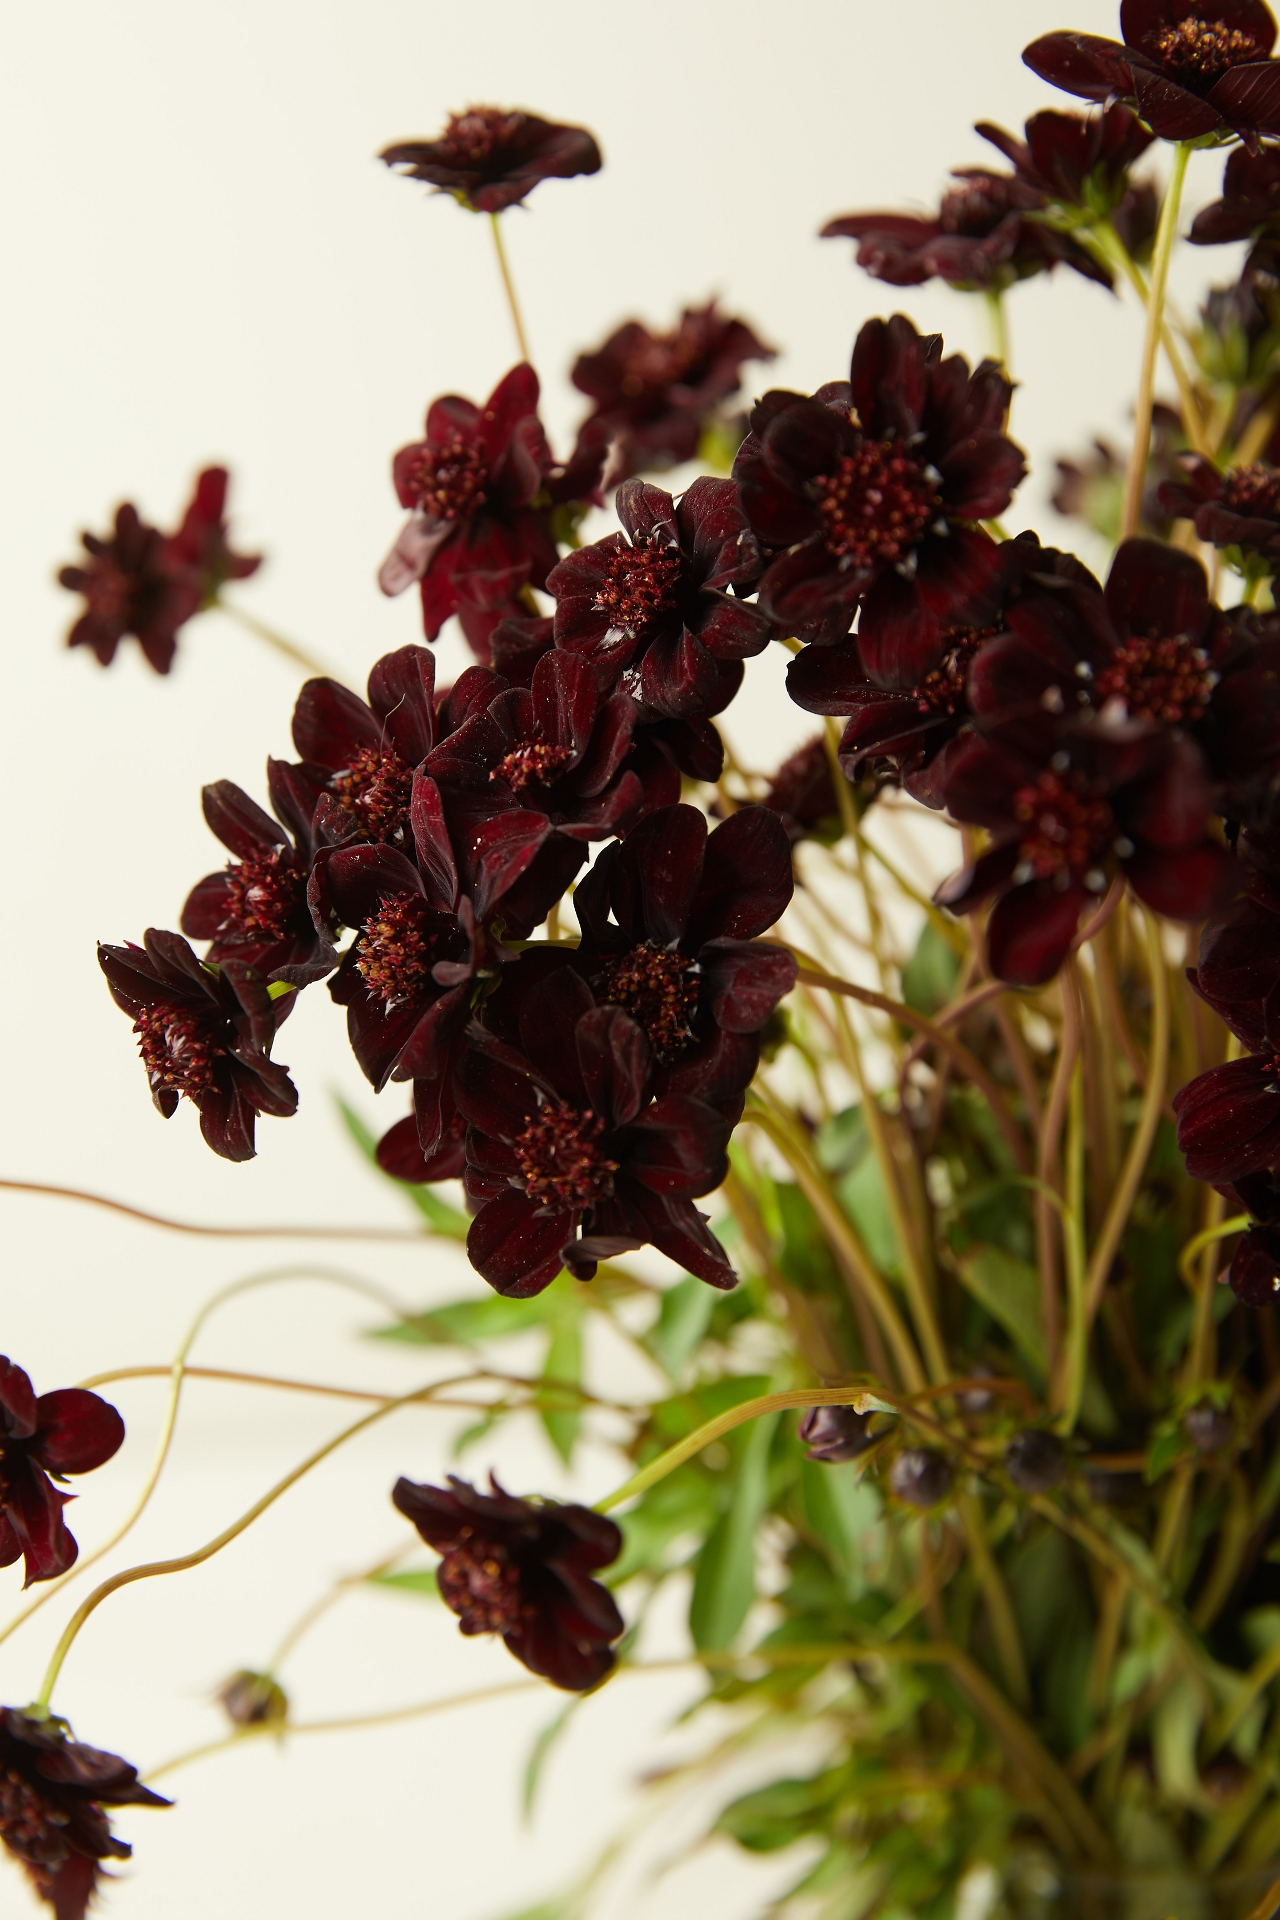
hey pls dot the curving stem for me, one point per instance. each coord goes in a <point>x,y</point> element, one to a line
<point>1135,480</point>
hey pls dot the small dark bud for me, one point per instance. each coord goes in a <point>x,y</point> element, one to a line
<point>1114,1489</point>
<point>1035,1460</point>
<point>1223,1778</point>
<point>834,1434</point>
<point>920,1477</point>
<point>1210,1428</point>
<point>253,1700</point>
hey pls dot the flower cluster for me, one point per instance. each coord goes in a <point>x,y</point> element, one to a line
<point>68,1432</point>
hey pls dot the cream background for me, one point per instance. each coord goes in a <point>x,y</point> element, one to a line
<point>204,261</point>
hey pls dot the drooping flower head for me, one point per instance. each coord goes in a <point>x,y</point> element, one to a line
<point>52,1793</point>
<point>204,1032</point>
<point>490,158</point>
<point>522,1568</point>
<point>131,586</point>
<point>873,486</point>
<point>655,393</point>
<point>1189,67</point>
<point>69,1431</point>
<point>200,547</point>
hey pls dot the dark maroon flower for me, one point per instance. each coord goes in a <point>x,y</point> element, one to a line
<point>883,507</point>
<point>200,547</point>
<point>1076,159</point>
<point>476,539</point>
<point>1239,508</point>
<point>1090,487</point>
<point>655,393</point>
<point>835,1434</point>
<point>52,1793</point>
<point>70,1431</point>
<point>1081,804</point>
<point>651,607</point>
<point>361,758</point>
<point>205,1032</point>
<point>920,1477</point>
<point>522,1568</point>
<point>565,1135</point>
<point>981,237</point>
<point>1190,67</point>
<point>1250,203</point>
<point>904,693</point>
<point>670,919</point>
<point>130,586</point>
<point>1035,1460</point>
<point>490,158</point>
<point>256,909</point>
<point>803,794</point>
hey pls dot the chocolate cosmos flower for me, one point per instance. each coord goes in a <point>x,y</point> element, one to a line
<point>651,605</point>
<point>204,1032</point>
<point>1077,159</point>
<point>200,546</point>
<point>1191,67</point>
<point>980,237</point>
<point>52,1793</point>
<point>256,910</point>
<point>70,1431</point>
<point>131,586</point>
<point>1250,203</point>
<point>476,538</point>
<point>1239,508</point>
<point>361,758</point>
<point>803,794</point>
<point>564,1135</point>
<point>522,1568</point>
<point>1229,1118</point>
<point>655,393</point>
<point>883,507</point>
<point>490,158</point>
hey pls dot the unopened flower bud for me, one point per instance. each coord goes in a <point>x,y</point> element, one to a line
<point>253,1700</point>
<point>1210,1428</point>
<point>920,1477</point>
<point>1035,1460</point>
<point>834,1434</point>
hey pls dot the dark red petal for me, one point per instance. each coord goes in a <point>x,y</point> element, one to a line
<point>647,512</point>
<point>432,844</point>
<point>238,821</point>
<point>1248,96</point>
<point>76,1431</point>
<point>657,875</point>
<point>17,1401</point>
<point>227,1120</point>
<point>1154,589</point>
<point>1183,885</point>
<point>548,1022</point>
<point>747,879</point>
<point>500,851</point>
<point>808,596</point>
<point>1081,63</point>
<point>679,1230</point>
<point>402,694</point>
<point>900,638</point>
<point>744,980</point>
<point>1170,110</point>
<point>331,724</point>
<point>493,1096</point>
<point>1030,932</point>
<point>616,1063</point>
<point>515,1246</point>
<point>33,1506</point>
<point>360,878</point>
<point>678,1146</point>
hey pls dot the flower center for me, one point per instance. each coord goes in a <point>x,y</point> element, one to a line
<point>975,208</point>
<point>659,989</point>
<point>1158,679</point>
<point>1204,49</point>
<point>640,586</point>
<point>29,1826</point>
<point>178,1048</point>
<point>1253,490</point>
<point>560,1158</point>
<point>471,137</point>
<point>265,895</point>
<point>397,949</point>
<point>481,1582</point>
<point>876,504</point>
<point>375,790</point>
<point>109,592</point>
<point>943,690</point>
<point>534,763</point>
<point>659,362</point>
<point>1067,835</point>
<point>448,482</point>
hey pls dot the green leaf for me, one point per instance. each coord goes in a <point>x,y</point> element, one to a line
<point>466,1323</point>
<point>1009,1289</point>
<point>564,1363</point>
<point>277,989</point>
<point>422,1582</point>
<point>841,1142</point>
<point>724,1584</point>
<point>1175,1731</point>
<point>775,1816</point>
<point>930,975</point>
<point>1168,1444</point>
<point>541,1753</point>
<point>862,1195</point>
<point>440,1216</point>
<point>844,1514</point>
<point>682,1321</point>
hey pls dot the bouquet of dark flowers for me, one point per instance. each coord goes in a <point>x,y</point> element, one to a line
<point>968,1451</point>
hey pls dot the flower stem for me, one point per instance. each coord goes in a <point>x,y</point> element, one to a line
<point>495,221</point>
<point>1166,233</point>
<point>1115,253</point>
<point>277,641</point>
<point>999,326</point>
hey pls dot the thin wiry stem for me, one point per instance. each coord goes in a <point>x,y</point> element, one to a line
<point>1166,233</point>
<point>276,641</point>
<point>508,284</point>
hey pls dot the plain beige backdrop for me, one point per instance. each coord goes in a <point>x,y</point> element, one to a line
<point>203,260</point>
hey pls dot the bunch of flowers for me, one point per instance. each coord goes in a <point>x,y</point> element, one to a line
<point>983,1342</point>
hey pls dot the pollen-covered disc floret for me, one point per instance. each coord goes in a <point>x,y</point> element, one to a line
<point>480,1582</point>
<point>875,504</point>
<point>1252,490</point>
<point>178,1049</point>
<point>639,587</point>
<point>471,137</point>
<point>264,893</point>
<point>1067,834</point>
<point>942,691</point>
<point>397,949</point>
<point>449,482</point>
<point>561,1158</point>
<point>659,988</point>
<point>375,790</point>
<point>534,763</point>
<point>1167,678</point>
<point>1203,50</point>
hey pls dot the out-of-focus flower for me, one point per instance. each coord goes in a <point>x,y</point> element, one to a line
<point>70,1431</point>
<point>1250,203</point>
<point>1236,508</point>
<point>656,393</point>
<point>256,909</point>
<point>1080,160</point>
<point>803,793</point>
<point>131,587</point>
<point>200,547</point>
<point>490,158</point>
<point>884,507</point>
<point>253,1700</point>
<point>203,1031</point>
<point>920,1477</point>
<point>1189,69</point>
<point>1035,1460</point>
<point>52,1793</point>
<point>1090,486</point>
<point>523,1568</point>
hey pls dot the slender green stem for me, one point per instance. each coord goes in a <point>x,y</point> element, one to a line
<point>999,321</point>
<point>1077,1342</point>
<point>495,222</point>
<point>1115,253</point>
<point>1166,233</point>
<point>277,641</point>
